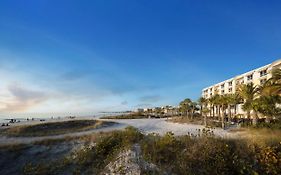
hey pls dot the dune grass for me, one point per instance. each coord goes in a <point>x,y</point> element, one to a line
<point>172,154</point>
<point>54,128</point>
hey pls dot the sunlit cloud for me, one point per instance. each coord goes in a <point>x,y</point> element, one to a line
<point>22,99</point>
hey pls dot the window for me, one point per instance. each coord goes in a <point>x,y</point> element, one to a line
<point>240,82</point>
<point>222,92</point>
<point>263,73</point>
<point>222,86</point>
<point>250,77</point>
<point>230,83</point>
<point>230,90</point>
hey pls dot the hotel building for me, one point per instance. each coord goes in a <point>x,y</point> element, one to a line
<point>257,77</point>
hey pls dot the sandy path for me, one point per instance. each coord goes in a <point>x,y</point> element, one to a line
<point>159,126</point>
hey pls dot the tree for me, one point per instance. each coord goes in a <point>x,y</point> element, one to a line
<point>233,101</point>
<point>266,105</point>
<point>205,111</point>
<point>276,75</point>
<point>217,105</point>
<point>223,102</point>
<point>273,85</point>
<point>211,102</point>
<point>185,106</point>
<point>249,92</point>
<point>193,108</point>
<point>202,102</point>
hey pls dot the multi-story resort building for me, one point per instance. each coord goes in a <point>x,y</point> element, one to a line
<point>257,77</point>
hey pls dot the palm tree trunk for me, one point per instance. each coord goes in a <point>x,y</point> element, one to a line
<point>255,118</point>
<point>219,116</point>
<point>222,122</point>
<point>222,119</point>
<point>205,120</point>
<point>229,112</point>
<point>213,111</point>
<point>235,109</point>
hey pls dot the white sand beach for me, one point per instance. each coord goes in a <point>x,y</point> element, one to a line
<point>146,126</point>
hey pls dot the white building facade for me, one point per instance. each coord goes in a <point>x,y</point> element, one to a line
<point>257,77</point>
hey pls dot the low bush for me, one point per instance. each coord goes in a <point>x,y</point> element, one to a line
<point>275,124</point>
<point>171,154</point>
<point>91,158</point>
<point>209,155</point>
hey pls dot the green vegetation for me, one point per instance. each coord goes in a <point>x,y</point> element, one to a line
<point>91,159</point>
<point>274,125</point>
<point>208,155</point>
<point>171,154</point>
<point>54,128</point>
<point>188,108</point>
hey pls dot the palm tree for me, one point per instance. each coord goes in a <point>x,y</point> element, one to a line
<point>185,106</point>
<point>224,102</point>
<point>266,105</point>
<point>269,97</point>
<point>249,92</point>
<point>211,102</point>
<point>233,101</point>
<point>217,104</point>
<point>276,75</point>
<point>273,85</point>
<point>202,102</point>
<point>193,108</point>
<point>205,111</point>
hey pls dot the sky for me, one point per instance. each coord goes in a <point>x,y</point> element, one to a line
<point>88,56</point>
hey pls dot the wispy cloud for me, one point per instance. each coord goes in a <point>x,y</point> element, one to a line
<point>22,99</point>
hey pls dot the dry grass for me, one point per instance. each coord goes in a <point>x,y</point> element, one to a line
<point>196,121</point>
<point>54,128</point>
<point>261,136</point>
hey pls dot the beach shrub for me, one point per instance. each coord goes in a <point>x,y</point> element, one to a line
<point>91,158</point>
<point>275,125</point>
<point>209,155</point>
<point>204,154</point>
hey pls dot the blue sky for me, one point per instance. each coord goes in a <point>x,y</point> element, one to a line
<point>69,56</point>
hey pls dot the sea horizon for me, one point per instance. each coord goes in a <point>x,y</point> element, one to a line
<point>5,118</point>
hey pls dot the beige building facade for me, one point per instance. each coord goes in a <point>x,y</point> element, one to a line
<point>257,77</point>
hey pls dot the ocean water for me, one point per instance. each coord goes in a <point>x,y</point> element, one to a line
<point>23,117</point>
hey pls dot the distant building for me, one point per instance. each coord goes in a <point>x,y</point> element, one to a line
<point>140,110</point>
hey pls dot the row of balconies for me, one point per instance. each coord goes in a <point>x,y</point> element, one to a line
<point>228,87</point>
